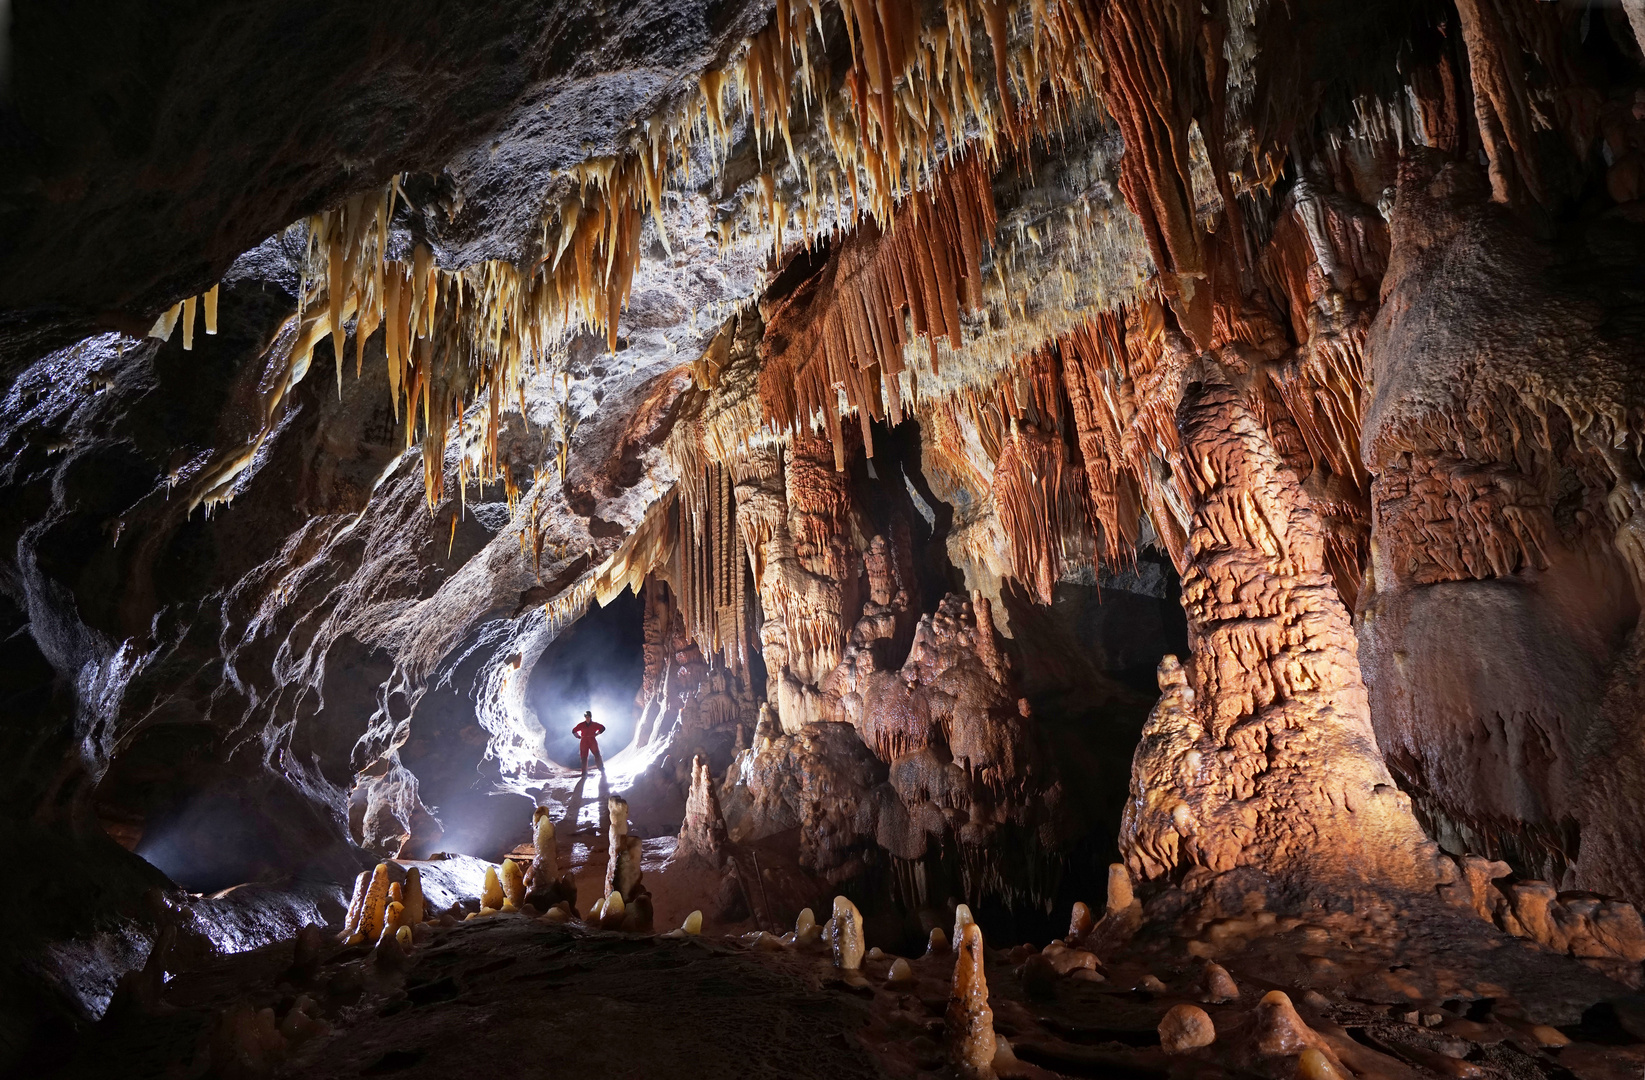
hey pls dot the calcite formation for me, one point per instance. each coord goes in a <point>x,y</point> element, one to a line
<point>703,832</point>
<point>1262,752</point>
<point>934,372</point>
<point>845,934</point>
<point>1186,1028</point>
<point>969,1022</point>
<point>624,855</point>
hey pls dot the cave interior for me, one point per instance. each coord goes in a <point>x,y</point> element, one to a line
<point>1101,538</point>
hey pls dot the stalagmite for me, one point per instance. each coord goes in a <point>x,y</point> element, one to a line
<point>969,1021</point>
<point>703,830</point>
<point>545,864</point>
<point>807,931</point>
<point>414,896</point>
<point>622,871</point>
<point>513,883</point>
<point>491,893</point>
<point>845,935</point>
<point>1080,922</point>
<point>1312,1064</point>
<point>545,886</point>
<point>371,913</point>
<point>1219,985</point>
<point>1280,1033</point>
<point>393,917</point>
<point>1120,896</point>
<point>962,919</point>
<point>612,912</point>
<point>1185,1028</point>
<point>900,973</point>
<point>937,943</point>
<point>356,906</point>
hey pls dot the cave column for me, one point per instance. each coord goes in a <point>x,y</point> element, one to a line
<point>1260,752</point>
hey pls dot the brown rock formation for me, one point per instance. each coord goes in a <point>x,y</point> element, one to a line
<point>1503,546</point>
<point>1261,753</point>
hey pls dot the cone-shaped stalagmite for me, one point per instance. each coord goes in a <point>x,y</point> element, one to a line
<point>513,882</point>
<point>414,896</point>
<point>491,893</point>
<point>970,1022</point>
<point>356,906</point>
<point>845,934</point>
<point>545,864</point>
<point>371,914</point>
<point>622,870</point>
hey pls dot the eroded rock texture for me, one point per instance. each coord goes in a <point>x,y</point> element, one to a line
<point>1505,498</point>
<point>1262,754</point>
<point>951,382</point>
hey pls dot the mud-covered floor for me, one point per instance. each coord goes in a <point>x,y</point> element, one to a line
<point>1394,993</point>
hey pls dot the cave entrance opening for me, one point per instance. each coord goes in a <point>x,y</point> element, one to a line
<point>596,665</point>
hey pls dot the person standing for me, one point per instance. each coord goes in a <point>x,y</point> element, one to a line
<point>587,741</point>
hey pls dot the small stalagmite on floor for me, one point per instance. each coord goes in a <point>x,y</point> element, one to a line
<point>969,1022</point>
<point>845,935</point>
<point>545,886</point>
<point>1186,1027</point>
<point>513,882</point>
<point>622,870</point>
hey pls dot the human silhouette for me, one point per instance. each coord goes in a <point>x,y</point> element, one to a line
<point>587,743</point>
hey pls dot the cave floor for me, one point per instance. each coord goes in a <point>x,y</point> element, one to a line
<point>1440,995</point>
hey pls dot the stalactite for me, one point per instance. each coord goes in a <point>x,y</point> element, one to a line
<point>1099,397</point>
<point>1039,496</point>
<point>1152,87</point>
<point>899,130</point>
<point>708,568</point>
<point>1500,38</point>
<point>845,330</point>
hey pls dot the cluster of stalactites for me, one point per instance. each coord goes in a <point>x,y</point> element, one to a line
<point>453,338</point>
<point>910,100</point>
<point>707,570</point>
<point>1077,436</point>
<point>908,106</point>
<point>838,344</point>
<point>186,312</point>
